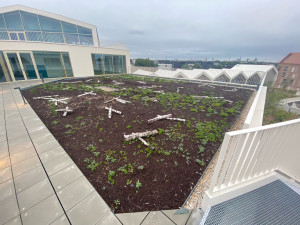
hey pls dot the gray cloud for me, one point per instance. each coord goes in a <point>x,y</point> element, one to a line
<point>190,29</point>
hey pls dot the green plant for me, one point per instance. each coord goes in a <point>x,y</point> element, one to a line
<point>110,176</point>
<point>91,148</point>
<point>52,108</point>
<point>128,126</point>
<point>116,203</point>
<point>78,118</point>
<point>138,184</point>
<point>128,182</point>
<point>201,149</point>
<point>93,165</point>
<point>201,162</point>
<point>55,122</point>
<point>68,126</point>
<point>123,169</point>
<point>100,129</point>
<point>96,154</point>
<point>140,167</point>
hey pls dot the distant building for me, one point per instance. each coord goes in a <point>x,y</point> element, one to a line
<point>165,66</point>
<point>289,72</point>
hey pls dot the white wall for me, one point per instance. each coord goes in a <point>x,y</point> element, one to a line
<point>80,56</point>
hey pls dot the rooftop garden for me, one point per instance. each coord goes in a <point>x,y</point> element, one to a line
<point>143,143</point>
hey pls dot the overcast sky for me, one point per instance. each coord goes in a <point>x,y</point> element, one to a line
<point>189,29</point>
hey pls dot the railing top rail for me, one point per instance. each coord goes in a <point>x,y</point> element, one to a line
<point>266,127</point>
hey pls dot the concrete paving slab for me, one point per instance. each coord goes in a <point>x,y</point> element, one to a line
<point>7,190</point>
<point>43,213</point>
<point>44,139</point>
<point>61,221</point>
<point>88,211</point>
<point>75,192</point>
<point>22,155</point>
<point>157,218</point>
<point>60,163</point>
<point>4,162</point>
<point>14,221</point>
<point>5,175</point>
<point>3,152</point>
<point>8,209</point>
<point>30,178</point>
<point>132,218</point>
<point>20,147</point>
<point>34,194</point>
<point>52,154</point>
<point>110,219</point>
<point>47,146</point>
<point>179,219</point>
<point>25,166</point>
<point>65,176</point>
<point>195,218</point>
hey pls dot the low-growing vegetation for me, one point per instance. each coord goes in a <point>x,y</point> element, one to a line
<point>130,175</point>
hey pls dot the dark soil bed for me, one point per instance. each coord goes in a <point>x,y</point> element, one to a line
<point>130,176</point>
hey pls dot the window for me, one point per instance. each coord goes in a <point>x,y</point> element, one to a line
<point>13,36</point>
<point>67,64</point>
<point>49,64</point>
<point>222,78</point>
<point>83,30</point>
<point>291,82</point>
<point>31,21</point>
<point>293,69</point>
<point>2,23</point>
<point>69,28</point>
<point>254,79</point>
<point>71,39</point>
<point>109,64</point>
<point>240,79</point>
<point>49,24</point>
<point>283,74</point>
<point>42,29</point>
<point>286,68</point>
<point>53,37</point>
<point>34,36</point>
<point>13,21</point>
<point>21,36</point>
<point>86,39</point>
<point>98,64</point>
<point>4,35</point>
<point>117,62</point>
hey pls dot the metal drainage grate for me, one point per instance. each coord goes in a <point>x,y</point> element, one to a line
<point>274,203</point>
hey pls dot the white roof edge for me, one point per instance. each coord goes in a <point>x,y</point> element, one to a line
<point>47,14</point>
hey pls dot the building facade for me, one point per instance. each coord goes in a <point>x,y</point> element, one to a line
<point>289,72</point>
<point>36,44</point>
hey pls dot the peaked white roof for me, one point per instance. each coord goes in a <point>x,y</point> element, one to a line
<point>143,72</point>
<point>246,67</point>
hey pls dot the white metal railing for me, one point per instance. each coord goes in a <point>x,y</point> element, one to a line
<point>249,153</point>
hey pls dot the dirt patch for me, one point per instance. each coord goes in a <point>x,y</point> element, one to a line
<point>130,176</point>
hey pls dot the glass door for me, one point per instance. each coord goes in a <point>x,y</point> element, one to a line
<point>28,65</point>
<point>15,66</point>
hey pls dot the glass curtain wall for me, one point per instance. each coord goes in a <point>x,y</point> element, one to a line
<point>109,64</point>
<point>53,64</point>
<point>4,73</point>
<point>28,65</point>
<point>24,26</point>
